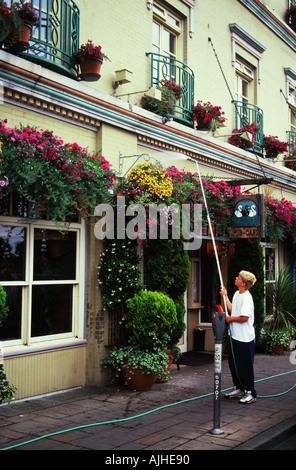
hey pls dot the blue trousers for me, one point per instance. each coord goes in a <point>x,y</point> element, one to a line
<point>243,373</point>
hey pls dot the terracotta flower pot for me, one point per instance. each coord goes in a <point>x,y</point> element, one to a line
<point>90,70</point>
<point>278,349</point>
<point>20,41</point>
<point>136,379</point>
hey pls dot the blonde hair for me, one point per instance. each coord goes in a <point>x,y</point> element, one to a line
<point>248,278</point>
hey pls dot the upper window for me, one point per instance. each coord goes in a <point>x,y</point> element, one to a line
<point>167,29</point>
<point>244,82</point>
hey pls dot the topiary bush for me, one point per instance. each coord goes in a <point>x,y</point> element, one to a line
<point>151,318</point>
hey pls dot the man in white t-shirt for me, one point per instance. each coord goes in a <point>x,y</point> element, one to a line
<point>241,324</point>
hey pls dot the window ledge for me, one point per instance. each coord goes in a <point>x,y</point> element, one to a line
<point>9,352</point>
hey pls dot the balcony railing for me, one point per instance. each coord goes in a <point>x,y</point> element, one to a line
<point>56,39</point>
<point>292,140</point>
<point>168,68</point>
<point>247,114</point>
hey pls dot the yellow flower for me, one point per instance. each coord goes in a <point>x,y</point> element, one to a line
<point>152,179</point>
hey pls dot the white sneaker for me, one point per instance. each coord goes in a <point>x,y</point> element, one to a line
<point>236,393</point>
<point>248,398</point>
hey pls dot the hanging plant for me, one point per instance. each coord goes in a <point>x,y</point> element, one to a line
<point>208,116</point>
<point>290,17</point>
<point>280,219</point>
<point>273,146</point>
<point>59,180</point>
<point>237,136</point>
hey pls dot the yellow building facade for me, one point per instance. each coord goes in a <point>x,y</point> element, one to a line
<point>237,54</point>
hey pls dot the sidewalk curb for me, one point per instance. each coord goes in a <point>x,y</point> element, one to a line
<point>267,440</point>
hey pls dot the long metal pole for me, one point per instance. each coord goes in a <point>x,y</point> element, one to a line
<point>218,325</point>
<point>211,231</point>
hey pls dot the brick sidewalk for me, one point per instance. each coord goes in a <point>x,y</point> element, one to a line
<point>174,416</point>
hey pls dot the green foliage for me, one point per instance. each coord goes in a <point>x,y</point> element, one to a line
<point>151,318</point>
<point>3,308</point>
<point>283,296</point>
<point>7,391</point>
<point>163,107</point>
<point>168,268</point>
<point>280,337</point>
<point>151,362</point>
<point>119,277</point>
<point>249,257</point>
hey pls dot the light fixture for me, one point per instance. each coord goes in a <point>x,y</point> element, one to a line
<point>121,76</point>
<point>149,4</point>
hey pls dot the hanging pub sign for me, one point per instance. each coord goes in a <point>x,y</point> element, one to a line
<point>248,217</point>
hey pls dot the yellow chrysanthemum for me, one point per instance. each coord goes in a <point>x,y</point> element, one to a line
<point>152,179</point>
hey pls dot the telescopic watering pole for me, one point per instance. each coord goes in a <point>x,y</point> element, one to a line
<point>218,322</point>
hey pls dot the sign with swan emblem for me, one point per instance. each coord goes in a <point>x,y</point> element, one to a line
<point>248,217</point>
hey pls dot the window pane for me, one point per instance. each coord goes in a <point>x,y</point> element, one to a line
<point>54,255</point>
<point>269,264</point>
<point>51,310</point>
<point>12,253</point>
<point>169,42</point>
<point>156,34</point>
<point>11,325</point>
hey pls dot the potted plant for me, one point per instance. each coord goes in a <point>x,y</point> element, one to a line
<point>273,146</point>
<point>282,294</point>
<point>277,340</point>
<point>207,116</point>
<point>149,321</point>
<point>19,22</point>
<point>9,22</point>
<point>90,59</point>
<point>151,318</point>
<point>290,17</point>
<point>137,366</point>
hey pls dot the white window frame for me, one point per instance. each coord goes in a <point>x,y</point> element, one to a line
<point>78,284</point>
<point>276,268</point>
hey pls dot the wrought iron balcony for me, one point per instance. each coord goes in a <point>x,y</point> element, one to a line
<point>247,114</point>
<point>292,140</point>
<point>56,39</point>
<point>171,69</point>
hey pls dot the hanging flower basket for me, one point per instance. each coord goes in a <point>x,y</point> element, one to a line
<point>90,59</point>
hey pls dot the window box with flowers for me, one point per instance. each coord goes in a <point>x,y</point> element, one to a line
<point>170,93</point>
<point>90,59</point>
<point>207,116</point>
